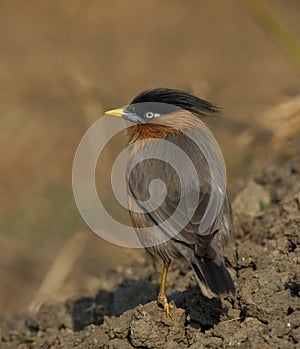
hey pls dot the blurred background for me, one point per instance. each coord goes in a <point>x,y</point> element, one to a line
<point>63,63</point>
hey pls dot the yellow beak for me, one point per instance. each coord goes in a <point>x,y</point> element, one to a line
<point>115,112</point>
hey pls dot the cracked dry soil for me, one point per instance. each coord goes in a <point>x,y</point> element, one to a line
<point>264,257</point>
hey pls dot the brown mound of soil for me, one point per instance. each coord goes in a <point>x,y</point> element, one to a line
<point>264,257</point>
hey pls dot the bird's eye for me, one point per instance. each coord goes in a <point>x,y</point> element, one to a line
<point>149,115</point>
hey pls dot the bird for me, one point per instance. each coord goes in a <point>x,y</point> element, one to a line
<point>168,116</point>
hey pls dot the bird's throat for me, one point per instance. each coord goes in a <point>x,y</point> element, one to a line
<point>151,131</point>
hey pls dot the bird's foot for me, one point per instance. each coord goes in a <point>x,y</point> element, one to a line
<point>162,301</point>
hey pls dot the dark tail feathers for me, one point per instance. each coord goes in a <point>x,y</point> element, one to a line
<point>213,279</point>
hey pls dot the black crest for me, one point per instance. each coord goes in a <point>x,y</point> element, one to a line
<point>179,99</point>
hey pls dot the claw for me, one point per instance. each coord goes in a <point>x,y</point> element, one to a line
<point>163,302</point>
<point>167,308</point>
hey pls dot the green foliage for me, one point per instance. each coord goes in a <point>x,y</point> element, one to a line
<point>27,337</point>
<point>263,206</point>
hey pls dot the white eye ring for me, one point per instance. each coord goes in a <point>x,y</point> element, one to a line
<point>149,115</point>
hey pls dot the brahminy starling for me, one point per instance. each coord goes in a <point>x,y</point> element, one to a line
<point>169,115</point>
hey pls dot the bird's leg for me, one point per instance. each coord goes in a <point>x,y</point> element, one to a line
<point>162,299</point>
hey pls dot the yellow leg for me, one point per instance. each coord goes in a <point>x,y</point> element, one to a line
<point>162,299</point>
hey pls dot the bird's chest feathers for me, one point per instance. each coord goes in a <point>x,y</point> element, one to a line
<point>151,142</point>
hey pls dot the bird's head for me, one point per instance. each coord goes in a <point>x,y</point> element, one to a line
<point>156,103</point>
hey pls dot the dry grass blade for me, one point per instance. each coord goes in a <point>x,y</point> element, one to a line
<point>276,28</point>
<point>60,269</point>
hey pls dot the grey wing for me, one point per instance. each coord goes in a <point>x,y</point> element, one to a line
<point>180,202</point>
